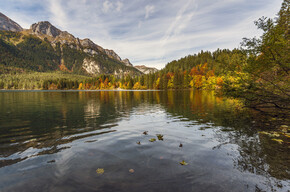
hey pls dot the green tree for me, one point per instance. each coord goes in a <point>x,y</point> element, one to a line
<point>268,64</point>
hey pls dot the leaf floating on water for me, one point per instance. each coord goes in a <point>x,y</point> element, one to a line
<point>131,170</point>
<point>138,142</point>
<point>263,132</point>
<point>145,132</point>
<point>152,139</point>
<point>160,137</point>
<point>280,141</point>
<point>284,128</point>
<point>180,145</point>
<point>100,171</point>
<point>52,161</point>
<point>13,140</point>
<point>183,163</point>
<point>273,134</point>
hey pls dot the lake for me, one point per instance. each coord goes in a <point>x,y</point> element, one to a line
<point>135,141</point>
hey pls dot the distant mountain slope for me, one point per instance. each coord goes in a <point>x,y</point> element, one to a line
<point>44,47</point>
<point>7,24</point>
<point>146,70</point>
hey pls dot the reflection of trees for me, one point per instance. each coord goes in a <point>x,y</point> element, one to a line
<point>257,153</point>
<point>47,121</point>
<point>42,122</point>
<point>203,106</point>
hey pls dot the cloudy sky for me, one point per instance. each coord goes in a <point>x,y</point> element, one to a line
<point>149,32</point>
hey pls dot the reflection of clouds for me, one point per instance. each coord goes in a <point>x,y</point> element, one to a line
<point>63,162</point>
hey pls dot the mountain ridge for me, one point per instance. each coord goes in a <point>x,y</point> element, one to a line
<point>46,28</point>
<point>146,70</point>
<point>8,24</point>
<point>71,53</point>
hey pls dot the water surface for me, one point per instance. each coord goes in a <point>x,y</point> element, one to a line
<point>55,141</point>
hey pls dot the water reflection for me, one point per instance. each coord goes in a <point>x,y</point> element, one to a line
<point>66,128</point>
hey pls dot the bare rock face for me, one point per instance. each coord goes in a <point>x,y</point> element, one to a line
<point>90,45</point>
<point>90,52</point>
<point>112,54</point>
<point>87,43</point>
<point>7,24</point>
<point>146,70</point>
<point>44,27</point>
<point>127,62</point>
<point>91,66</point>
<point>91,63</point>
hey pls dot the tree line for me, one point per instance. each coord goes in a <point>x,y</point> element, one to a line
<point>258,72</point>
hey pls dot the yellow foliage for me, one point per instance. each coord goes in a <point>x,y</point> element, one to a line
<point>219,81</point>
<point>102,85</point>
<point>80,86</point>
<point>170,83</point>
<point>157,83</point>
<point>198,81</point>
<point>137,86</point>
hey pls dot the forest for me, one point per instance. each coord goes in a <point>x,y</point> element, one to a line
<point>258,72</point>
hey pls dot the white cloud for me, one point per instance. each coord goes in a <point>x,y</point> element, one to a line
<point>149,9</point>
<point>180,27</point>
<point>58,15</point>
<point>119,6</point>
<point>107,5</point>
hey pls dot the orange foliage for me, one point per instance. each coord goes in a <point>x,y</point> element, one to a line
<point>169,75</point>
<point>193,71</point>
<point>106,82</point>
<point>88,86</point>
<point>62,67</point>
<point>80,86</point>
<point>210,74</point>
<point>201,69</point>
<point>52,86</point>
<point>219,81</point>
<point>198,81</point>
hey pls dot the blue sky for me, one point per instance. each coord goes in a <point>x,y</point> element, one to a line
<point>149,32</point>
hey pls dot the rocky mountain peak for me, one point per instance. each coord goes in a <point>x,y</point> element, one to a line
<point>45,27</point>
<point>87,43</point>
<point>112,54</point>
<point>127,62</point>
<point>45,30</point>
<point>8,25</point>
<point>146,70</point>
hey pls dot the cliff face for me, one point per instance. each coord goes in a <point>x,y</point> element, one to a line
<point>127,62</point>
<point>59,49</point>
<point>45,29</point>
<point>68,52</point>
<point>146,70</point>
<point>8,25</point>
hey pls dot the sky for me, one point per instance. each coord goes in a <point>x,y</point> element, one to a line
<point>149,32</point>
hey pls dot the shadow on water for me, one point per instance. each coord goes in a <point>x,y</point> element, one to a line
<point>77,132</point>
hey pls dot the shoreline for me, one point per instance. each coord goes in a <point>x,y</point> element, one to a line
<point>72,90</point>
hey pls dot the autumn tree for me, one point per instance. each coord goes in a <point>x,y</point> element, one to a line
<point>268,64</point>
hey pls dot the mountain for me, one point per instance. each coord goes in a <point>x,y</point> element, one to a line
<point>44,47</point>
<point>146,70</point>
<point>8,25</point>
<point>127,62</point>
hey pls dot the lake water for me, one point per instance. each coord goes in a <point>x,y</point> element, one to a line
<point>89,141</point>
